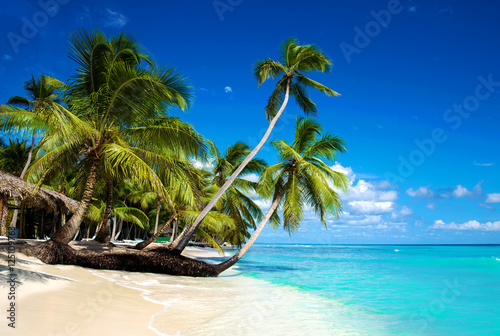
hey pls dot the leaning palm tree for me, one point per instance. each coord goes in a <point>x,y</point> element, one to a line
<point>295,61</point>
<point>43,101</point>
<point>183,193</point>
<point>302,179</point>
<point>117,99</point>
<point>236,201</point>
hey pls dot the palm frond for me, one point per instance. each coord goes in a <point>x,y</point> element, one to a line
<point>309,83</point>
<point>264,70</point>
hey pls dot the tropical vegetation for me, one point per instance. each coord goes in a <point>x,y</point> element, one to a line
<point>114,165</point>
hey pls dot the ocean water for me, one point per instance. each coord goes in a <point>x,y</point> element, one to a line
<point>333,290</point>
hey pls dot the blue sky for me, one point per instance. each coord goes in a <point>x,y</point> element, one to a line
<point>419,111</point>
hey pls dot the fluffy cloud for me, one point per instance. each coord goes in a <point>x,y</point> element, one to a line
<point>424,192</point>
<point>370,207</point>
<point>368,191</point>
<point>403,212</point>
<point>228,89</point>
<point>470,225</point>
<point>345,170</point>
<point>493,198</point>
<point>455,192</point>
<point>460,191</point>
<point>370,204</point>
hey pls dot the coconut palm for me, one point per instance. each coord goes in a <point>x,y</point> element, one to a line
<point>301,179</point>
<point>295,61</point>
<point>14,156</point>
<point>235,203</point>
<point>118,99</point>
<point>183,193</point>
<point>44,102</point>
<point>44,99</point>
<point>119,211</point>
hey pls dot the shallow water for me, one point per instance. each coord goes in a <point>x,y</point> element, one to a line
<point>333,290</point>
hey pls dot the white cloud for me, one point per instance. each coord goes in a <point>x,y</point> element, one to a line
<point>7,57</point>
<point>461,191</point>
<point>493,198</point>
<point>367,191</point>
<point>228,89</point>
<point>403,212</point>
<point>369,204</point>
<point>345,170</point>
<point>421,192</point>
<point>114,19</point>
<point>470,225</point>
<point>252,177</point>
<point>370,208</point>
<point>264,204</point>
<point>365,220</point>
<point>432,206</point>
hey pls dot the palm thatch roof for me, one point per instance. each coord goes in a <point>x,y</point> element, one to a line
<point>41,198</point>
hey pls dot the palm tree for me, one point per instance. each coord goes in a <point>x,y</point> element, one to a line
<point>301,179</point>
<point>117,99</point>
<point>235,203</point>
<point>183,193</point>
<point>295,61</point>
<point>44,100</point>
<point>13,157</point>
<point>120,211</point>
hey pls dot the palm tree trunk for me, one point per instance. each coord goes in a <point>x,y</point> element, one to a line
<point>176,228</point>
<point>66,233</point>
<point>151,239</point>
<point>120,226</point>
<point>113,231</point>
<point>13,223</point>
<point>158,207</point>
<point>184,239</point>
<point>103,234</point>
<point>234,259</point>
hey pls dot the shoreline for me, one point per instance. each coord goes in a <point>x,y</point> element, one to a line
<point>102,302</point>
<point>72,300</point>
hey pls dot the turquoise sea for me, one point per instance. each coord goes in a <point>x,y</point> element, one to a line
<point>390,289</point>
<point>324,290</point>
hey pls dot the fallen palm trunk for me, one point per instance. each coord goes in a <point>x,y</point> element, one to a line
<point>153,261</point>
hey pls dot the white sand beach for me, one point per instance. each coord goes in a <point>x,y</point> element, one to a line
<point>70,300</point>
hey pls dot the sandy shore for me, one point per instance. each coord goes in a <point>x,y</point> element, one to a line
<point>70,300</point>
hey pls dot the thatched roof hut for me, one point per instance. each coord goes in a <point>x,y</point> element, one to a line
<point>41,198</point>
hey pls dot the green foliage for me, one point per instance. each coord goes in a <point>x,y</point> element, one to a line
<point>236,201</point>
<point>13,157</point>
<point>295,61</point>
<point>307,181</point>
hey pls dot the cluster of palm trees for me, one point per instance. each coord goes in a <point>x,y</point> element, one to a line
<point>106,139</point>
